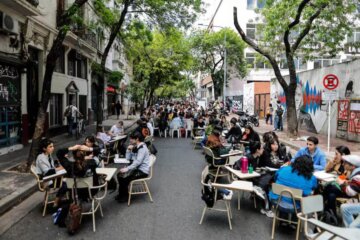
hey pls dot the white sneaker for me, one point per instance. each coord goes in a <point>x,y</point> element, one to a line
<point>259,192</point>
<point>228,196</point>
<point>268,213</point>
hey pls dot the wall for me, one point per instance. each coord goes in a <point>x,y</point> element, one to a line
<point>312,110</point>
<point>249,99</point>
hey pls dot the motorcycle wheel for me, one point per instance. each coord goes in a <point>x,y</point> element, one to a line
<point>256,123</point>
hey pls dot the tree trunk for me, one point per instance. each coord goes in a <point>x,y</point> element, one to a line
<point>291,117</point>
<point>114,32</point>
<point>51,58</point>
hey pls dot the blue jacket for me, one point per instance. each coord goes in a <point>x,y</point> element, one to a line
<point>285,176</point>
<point>319,158</point>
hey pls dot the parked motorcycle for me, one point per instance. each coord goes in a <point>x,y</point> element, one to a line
<point>246,119</point>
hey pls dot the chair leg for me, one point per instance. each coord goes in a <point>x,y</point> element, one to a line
<point>255,201</point>
<point>130,192</point>
<point>101,211</point>
<point>273,226</point>
<point>217,173</point>
<point>203,214</point>
<point>93,214</point>
<point>178,133</point>
<point>46,199</point>
<point>238,200</point>
<point>298,229</point>
<point>148,191</point>
<point>228,214</point>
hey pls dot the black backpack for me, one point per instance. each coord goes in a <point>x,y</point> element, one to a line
<point>279,111</point>
<point>208,193</point>
<point>330,217</point>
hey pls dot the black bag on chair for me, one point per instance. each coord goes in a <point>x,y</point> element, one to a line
<point>152,149</point>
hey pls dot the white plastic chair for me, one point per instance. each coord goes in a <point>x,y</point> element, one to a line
<point>175,129</point>
<point>227,208</point>
<point>139,186</point>
<point>189,127</point>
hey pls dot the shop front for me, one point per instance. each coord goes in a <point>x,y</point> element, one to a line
<point>10,105</point>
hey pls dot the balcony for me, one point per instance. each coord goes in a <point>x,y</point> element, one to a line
<point>24,7</point>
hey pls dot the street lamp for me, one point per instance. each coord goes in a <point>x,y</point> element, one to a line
<point>225,64</point>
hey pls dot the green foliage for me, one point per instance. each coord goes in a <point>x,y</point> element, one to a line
<point>115,77</point>
<point>209,51</point>
<point>327,33</point>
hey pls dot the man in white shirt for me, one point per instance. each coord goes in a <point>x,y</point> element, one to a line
<point>117,129</point>
<point>71,113</point>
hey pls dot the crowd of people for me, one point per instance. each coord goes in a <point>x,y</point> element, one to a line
<point>221,134</point>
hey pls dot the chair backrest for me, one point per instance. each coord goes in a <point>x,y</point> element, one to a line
<point>204,173</point>
<point>189,124</point>
<point>208,152</point>
<point>152,159</point>
<point>286,191</point>
<point>312,204</point>
<point>39,182</point>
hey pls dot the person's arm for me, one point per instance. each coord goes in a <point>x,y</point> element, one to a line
<point>321,163</point>
<point>352,187</point>
<point>297,154</point>
<point>44,166</point>
<point>330,166</point>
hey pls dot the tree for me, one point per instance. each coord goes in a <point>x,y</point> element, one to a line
<point>159,59</point>
<point>208,49</point>
<point>162,13</point>
<point>54,53</point>
<point>300,28</point>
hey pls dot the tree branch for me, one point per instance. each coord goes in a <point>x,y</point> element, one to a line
<point>251,43</point>
<point>306,30</point>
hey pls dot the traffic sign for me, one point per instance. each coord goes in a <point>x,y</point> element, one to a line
<point>331,81</point>
<point>329,95</point>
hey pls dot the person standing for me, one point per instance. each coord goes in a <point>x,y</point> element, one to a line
<point>269,114</point>
<point>118,108</point>
<point>278,123</point>
<point>71,113</point>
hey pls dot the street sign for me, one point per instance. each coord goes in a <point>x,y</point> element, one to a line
<point>331,81</point>
<point>329,95</point>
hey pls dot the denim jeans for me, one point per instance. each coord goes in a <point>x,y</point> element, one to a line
<point>70,121</point>
<point>348,210</point>
<point>276,122</point>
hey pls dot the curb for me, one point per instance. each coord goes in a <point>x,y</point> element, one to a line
<point>10,201</point>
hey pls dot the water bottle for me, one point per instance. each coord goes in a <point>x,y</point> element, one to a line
<point>251,169</point>
<point>244,164</point>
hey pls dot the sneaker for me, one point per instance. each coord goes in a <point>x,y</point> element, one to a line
<point>268,213</point>
<point>259,192</point>
<point>228,196</point>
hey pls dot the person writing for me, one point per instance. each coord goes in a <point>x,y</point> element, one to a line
<point>117,129</point>
<point>46,166</point>
<point>138,153</point>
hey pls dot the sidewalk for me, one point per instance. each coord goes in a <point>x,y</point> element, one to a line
<point>15,186</point>
<point>297,144</point>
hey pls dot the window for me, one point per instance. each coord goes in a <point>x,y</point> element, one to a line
<point>77,65</point>
<point>60,62</point>
<point>319,63</point>
<point>250,30</point>
<point>250,60</point>
<point>56,110</point>
<point>252,4</point>
<point>355,37</point>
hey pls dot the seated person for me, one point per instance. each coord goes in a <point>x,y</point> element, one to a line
<point>142,128</point>
<point>336,165</point>
<point>117,129</point>
<point>148,124</point>
<point>176,122</point>
<point>199,123</point>
<point>224,123</point>
<point>273,155</point>
<point>344,188</point>
<point>318,157</point>
<point>348,212</point>
<point>138,153</point>
<point>235,131</point>
<point>298,175</point>
<point>214,143</point>
<point>249,136</point>
<point>100,134</point>
<point>46,166</point>
<point>254,156</point>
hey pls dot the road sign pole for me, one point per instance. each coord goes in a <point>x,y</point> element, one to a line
<point>329,120</point>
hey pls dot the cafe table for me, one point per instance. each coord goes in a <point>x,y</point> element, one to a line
<point>241,175</point>
<point>324,176</point>
<point>108,172</point>
<point>344,233</point>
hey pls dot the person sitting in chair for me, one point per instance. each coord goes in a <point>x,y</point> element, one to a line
<point>138,153</point>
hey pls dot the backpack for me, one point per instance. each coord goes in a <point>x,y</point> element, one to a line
<point>330,217</point>
<point>67,112</point>
<point>208,193</point>
<point>279,111</point>
<point>145,131</point>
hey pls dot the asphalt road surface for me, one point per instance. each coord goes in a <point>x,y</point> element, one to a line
<point>174,214</point>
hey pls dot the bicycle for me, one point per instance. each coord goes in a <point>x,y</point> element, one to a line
<point>80,128</point>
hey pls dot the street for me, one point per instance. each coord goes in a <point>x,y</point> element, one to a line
<point>174,214</point>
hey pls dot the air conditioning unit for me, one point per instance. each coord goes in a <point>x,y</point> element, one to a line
<point>8,23</point>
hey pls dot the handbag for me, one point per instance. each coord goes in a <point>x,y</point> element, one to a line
<point>74,216</point>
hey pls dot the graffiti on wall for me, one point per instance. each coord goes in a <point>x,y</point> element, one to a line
<point>311,110</point>
<point>9,84</point>
<point>249,100</point>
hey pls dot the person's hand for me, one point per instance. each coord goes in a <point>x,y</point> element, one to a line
<point>83,147</point>
<point>340,181</point>
<point>59,168</point>
<point>124,170</point>
<point>130,147</point>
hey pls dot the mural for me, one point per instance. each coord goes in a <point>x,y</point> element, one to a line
<point>312,110</point>
<point>249,100</point>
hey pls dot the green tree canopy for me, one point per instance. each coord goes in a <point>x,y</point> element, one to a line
<point>209,53</point>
